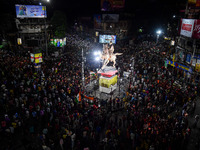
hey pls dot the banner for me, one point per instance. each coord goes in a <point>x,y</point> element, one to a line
<point>30,11</point>
<point>187,27</point>
<point>38,58</point>
<point>107,82</point>
<point>179,66</point>
<point>97,21</point>
<point>110,17</point>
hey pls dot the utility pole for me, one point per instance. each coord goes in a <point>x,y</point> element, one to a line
<point>83,77</point>
<point>46,37</point>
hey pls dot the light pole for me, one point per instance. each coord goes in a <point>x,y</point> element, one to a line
<point>120,81</point>
<point>158,34</point>
<point>83,77</point>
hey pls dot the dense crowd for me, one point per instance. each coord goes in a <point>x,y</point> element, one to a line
<point>39,110</point>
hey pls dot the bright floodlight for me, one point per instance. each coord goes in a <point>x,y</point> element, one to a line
<point>48,0</point>
<point>40,3</point>
<point>159,32</point>
<point>174,16</point>
<point>97,58</point>
<point>97,53</point>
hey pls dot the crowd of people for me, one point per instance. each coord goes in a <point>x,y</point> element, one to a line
<point>42,111</point>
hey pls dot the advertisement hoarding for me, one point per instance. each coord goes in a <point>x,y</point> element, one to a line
<point>110,17</point>
<point>196,30</point>
<point>30,11</point>
<point>58,42</point>
<point>110,5</point>
<point>107,39</point>
<point>187,27</point>
<point>97,21</point>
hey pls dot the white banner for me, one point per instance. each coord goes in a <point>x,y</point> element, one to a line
<point>187,27</point>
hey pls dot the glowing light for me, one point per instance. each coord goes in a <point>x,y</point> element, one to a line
<point>159,32</point>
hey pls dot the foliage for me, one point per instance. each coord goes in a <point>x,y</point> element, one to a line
<point>58,24</point>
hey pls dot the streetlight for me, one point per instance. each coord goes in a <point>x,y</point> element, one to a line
<point>158,34</point>
<point>97,55</point>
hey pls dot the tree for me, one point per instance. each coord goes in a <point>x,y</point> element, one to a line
<point>58,24</point>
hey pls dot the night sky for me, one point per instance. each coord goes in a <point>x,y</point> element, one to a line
<point>155,11</point>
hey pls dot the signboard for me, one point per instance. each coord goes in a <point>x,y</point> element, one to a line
<point>188,58</point>
<point>38,58</point>
<point>187,27</point>
<point>110,17</point>
<point>107,39</point>
<point>110,5</point>
<point>97,21</point>
<point>30,11</point>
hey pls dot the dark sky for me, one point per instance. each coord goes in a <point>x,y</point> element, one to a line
<point>155,11</point>
<point>84,7</point>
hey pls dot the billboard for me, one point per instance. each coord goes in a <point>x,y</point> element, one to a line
<point>110,5</point>
<point>110,17</point>
<point>97,21</point>
<point>58,42</point>
<point>107,39</point>
<point>187,27</point>
<point>190,28</point>
<point>30,11</point>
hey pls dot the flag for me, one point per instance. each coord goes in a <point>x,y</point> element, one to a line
<point>78,97</point>
<point>59,63</point>
<point>92,73</point>
<point>87,97</point>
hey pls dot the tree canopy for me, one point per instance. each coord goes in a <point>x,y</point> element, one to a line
<point>58,24</point>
